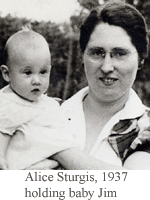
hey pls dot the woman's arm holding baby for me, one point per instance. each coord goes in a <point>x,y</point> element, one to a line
<point>75,159</point>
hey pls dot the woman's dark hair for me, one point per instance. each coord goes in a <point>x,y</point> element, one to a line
<point>119,14</point>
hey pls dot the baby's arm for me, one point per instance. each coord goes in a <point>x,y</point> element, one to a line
<point>75,159</point>
<point>139,160</point>
<point>4,141</point>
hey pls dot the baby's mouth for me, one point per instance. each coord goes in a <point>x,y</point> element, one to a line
<point>36,90</point>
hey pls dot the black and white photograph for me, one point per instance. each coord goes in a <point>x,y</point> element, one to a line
<point>75,95</point>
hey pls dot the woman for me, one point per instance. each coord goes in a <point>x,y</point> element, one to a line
<point>107,116</point>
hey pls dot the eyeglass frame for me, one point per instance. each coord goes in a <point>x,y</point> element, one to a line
<point>117,54</point>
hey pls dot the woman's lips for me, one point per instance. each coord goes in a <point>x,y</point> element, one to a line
<point>108,80</point>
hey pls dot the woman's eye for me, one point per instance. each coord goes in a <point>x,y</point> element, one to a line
<point>97,54</point>
<point>120,53</point>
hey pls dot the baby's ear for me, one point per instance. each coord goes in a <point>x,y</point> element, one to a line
<point>5,72</point>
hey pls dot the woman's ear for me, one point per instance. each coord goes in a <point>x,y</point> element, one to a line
<point>5,72</point>
<point>141,63</point>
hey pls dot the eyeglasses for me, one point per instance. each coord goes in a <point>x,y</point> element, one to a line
<point>117,54</point>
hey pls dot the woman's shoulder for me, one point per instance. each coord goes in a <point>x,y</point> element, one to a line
<point>147,111</point>
<point>144,120</point>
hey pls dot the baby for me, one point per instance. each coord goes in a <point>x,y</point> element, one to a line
<point>30,122</point>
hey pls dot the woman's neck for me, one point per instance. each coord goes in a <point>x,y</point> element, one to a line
<point>102,108</point>
<point>97,113</point>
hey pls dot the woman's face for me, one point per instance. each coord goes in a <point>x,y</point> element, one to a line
<point>111,63</point>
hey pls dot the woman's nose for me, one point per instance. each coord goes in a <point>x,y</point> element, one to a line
<point>107,64</point>
<point>36,80</point>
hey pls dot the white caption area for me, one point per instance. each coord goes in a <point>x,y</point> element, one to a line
<point>67,185</point>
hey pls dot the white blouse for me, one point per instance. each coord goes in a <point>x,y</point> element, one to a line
<point>101,150</point>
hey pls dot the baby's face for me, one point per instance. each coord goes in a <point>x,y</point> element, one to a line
<point>29,72</point>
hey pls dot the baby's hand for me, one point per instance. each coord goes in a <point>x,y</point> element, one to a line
<point>3,164</point>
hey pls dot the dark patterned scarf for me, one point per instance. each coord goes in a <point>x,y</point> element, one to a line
<point>125,138</point>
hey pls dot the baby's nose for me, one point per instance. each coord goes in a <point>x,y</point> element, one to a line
<point>36,80</point>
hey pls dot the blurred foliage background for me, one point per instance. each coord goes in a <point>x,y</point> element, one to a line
<point>67,75</point>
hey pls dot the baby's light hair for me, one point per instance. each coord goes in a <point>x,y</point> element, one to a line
<point>26,30</point>
<point>26,27</point>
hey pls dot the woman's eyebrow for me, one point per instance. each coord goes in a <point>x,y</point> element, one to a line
<point>90,49</point>
<point>121,49</point>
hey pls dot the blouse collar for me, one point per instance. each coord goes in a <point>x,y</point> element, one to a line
<point>132,109</point>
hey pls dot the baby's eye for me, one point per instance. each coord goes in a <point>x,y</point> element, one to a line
<point>44,71</point>
<point>27,72</point>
